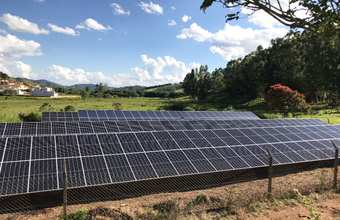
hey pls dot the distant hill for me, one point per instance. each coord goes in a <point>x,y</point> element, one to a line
<point>48,82</point>
<point>44,82</point>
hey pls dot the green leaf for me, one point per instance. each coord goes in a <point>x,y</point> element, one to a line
<point>206,4</point>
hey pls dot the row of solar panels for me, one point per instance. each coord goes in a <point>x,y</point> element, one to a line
<point>33,164</point>
<point>111,115</point>
<point>61,128</point>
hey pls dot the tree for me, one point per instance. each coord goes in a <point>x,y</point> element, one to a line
<point>9,92</point>
<point>190,84</point>
<point>85,94</point>
<point>319,16</point>
<point>101,88</point>
<point>283,99</point>
<point>203,82</point>
<point>88,89</point>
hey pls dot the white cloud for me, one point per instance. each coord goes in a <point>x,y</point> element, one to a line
<point>92,24</point>
<point>3,31</point>
<point>171,22</point>
<point>196,32</point>
<point>186,18</point>
<point>16,23</point>
<point>20,69</point>
<point>233,41</point>
<point>260,18</point>
<point>173,8</point>
<point>118,10</point>
<point>66,30</point>
<point>151,8</point>
<point>99,39</point>
<point>160,71</point>
<point>12,47</point>
<point>39,0</point>
<point>67,76</point>
<point>263,19</point>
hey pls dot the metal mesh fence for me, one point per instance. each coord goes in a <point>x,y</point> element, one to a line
<point>82,195</point>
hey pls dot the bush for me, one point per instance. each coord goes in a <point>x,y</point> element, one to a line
<point>283,99</point>
<point>189,109</point>
<point>70,108</point>
<point>30,117</point>
<point>46,107</point>
<point>229,108</point>
<point>117,106</point>
<point>9,92</point>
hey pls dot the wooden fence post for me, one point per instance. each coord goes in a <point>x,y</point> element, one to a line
<point>64,190</point>
<point>270,173</point>
<point>335,165</point>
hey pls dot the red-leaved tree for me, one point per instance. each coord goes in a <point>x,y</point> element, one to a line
<point>283,99</point>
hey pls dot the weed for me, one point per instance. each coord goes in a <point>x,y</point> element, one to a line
<point>79,214</point>
<point>46,107</point>
<point>215,199</point>
<point>322,179</point>
<point>117,106</point>
<point>230,199</point>
<point>306,201</point>
<point>201,199</point>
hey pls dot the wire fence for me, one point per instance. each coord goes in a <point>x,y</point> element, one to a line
<point>118,191</point>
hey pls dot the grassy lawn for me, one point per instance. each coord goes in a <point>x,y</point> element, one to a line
<point>12,106</point>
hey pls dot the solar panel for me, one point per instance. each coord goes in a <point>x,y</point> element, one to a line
<point>59,116</point>
<point>216,115</point>
<point>115,115</point>
<point>268,125</point>
<point>33,164</point>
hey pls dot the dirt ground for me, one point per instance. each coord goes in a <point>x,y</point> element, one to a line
<point>239,201</point>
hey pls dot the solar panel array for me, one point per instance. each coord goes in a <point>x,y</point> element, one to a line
<point>110,115</point>
<point>216,115</point>
<point>34,164</point>
<point>59,116</point>
<point>109,147</point>
<point>63,128</point>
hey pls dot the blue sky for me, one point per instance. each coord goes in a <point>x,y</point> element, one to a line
<point>123,43</point>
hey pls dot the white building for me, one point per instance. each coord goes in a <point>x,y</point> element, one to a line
<point>19,92</point>
<point>44,91</point>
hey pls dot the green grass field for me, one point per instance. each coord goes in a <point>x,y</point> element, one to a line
<point>10,107</point>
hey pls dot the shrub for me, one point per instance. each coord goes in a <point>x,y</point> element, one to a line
<point>283,99</point>
<point>46,107</point>
<point>9,92</point>
<point>117,106</point>
<point>189,109</point>
<point>30,117</point>
<point>70,108</point>
<point>211,109</point>
<point>229,108</point>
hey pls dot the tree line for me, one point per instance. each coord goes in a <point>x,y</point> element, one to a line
<point>301,61</point>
